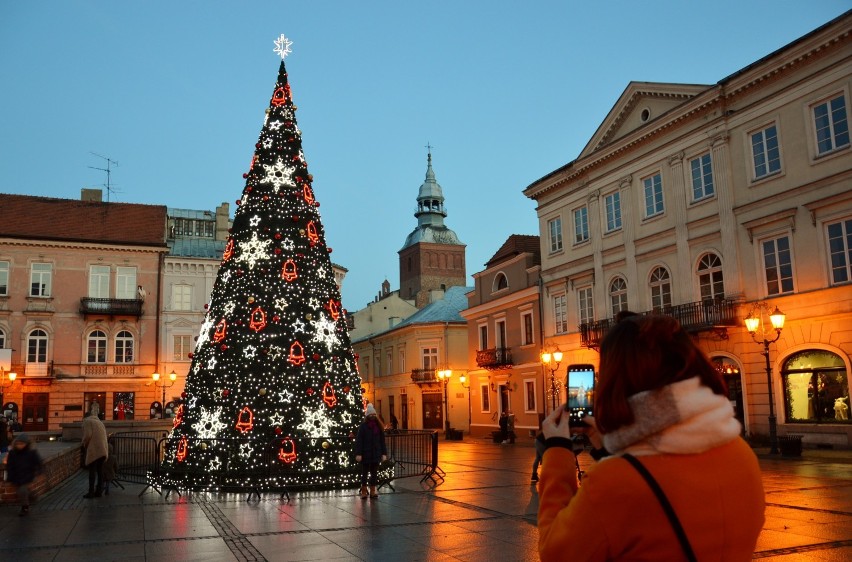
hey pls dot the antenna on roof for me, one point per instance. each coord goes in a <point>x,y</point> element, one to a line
<point>109,163</point>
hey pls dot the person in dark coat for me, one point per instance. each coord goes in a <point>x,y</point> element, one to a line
<point>504,427</point>
<point>4,434</point>
<point>370,450</point>
<point>23,464</point>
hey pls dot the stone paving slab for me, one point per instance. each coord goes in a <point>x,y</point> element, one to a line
<point>485,510</point>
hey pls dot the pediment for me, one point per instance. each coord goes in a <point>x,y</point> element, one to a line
<point>639,105</point>
<point>182,323</point>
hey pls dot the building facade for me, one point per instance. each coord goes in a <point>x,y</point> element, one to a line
<point>712,203</point>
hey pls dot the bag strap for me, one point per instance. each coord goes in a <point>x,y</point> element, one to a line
<point>664,502</point>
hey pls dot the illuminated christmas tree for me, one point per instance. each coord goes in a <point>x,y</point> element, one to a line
<point>273,397</point>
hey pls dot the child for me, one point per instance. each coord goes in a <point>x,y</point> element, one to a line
<point>23,464</point>
<point>110,466</point>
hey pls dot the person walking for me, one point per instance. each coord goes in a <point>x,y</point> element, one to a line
<point>370,450</point>
<point>23,464</point>
<point>539,452</point>
<point>4,434</point>
<point>96,450</point>
<point>504,427</point>
<point>667,491</point>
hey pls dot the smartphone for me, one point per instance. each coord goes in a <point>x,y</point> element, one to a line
<point>580,385</point>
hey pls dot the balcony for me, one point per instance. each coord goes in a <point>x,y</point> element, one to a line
<point>111,307</point>
<point>695,317</point>
<point>420,376</point>
<point>494,359</point>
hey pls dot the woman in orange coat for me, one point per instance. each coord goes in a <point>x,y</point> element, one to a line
<point>663,403</point>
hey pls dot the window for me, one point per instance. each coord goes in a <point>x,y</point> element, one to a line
<point>40,277</point>
<point>123,405</point>
<point>612,204</point>
<point>661,289</point>
<point>430,357</point>
<point>4,278</point>
<point>99,282</point>
<point>765,152</point>
<point>37,347</point>
<point>484,399</point>
<point>402,360</point>
<point>832,127</point>
<point>124,347</point>
<point>182,297</point>
<point>778,265</point>
<point>529,396</point>
<point>653,195</point>
<point>618,295</point>
<point>560,313</point>
<point>182,347</point>
<point>97,345</point>
<point>702,177</point>
<point>2,339</point>
<point>840,250</point>
<point>585,305</point>
<point>500,334</point>
<point>816,388</point>
<point>527,328</point>
<point>710,277</point>
<point>483,336</point>
<point>389,355</point>
<point>581,225</point>
<point>125,282</point>
<point>500,282</point>
<point>554,227</point>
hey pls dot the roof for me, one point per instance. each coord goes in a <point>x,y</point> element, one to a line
<point>191,214</point>
<point>73,220</point>
<point>445,310</point>
<point>515,245</point>
<point>197,248</point>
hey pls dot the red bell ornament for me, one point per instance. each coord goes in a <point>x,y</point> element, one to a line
<point>312,233</point>
<point>288,271</point>
<point>297,353</point>
<point>279,97</point>
<point>245,420</point>
<point>220,332</point>
<point>333,309</point>
<point>258,319</point>
<point>178,416</point>
<point>328,395</point>
<point>180,455</point>
<point>308,194</point>
<point>229,250</point>
<point>287,452</point>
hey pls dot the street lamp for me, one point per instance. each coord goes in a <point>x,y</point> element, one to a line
<point>444,376</point>
<point>551,361</point>
<point>466,386</point>
<point>759,333</point>
<point>164,385</point>
<point>6,381</point>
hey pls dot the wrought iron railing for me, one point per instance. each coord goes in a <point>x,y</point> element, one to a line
<point>495,358</point>
<point>710,315</point>
<point>112,307</point>
<point>423,375</point>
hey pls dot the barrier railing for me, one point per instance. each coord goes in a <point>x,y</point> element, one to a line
<point>414,453</point>
<point>138,457</point>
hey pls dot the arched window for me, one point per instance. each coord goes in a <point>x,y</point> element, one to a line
<point>500,282</point>
<point>710,277</point>
<point>816,388</point>
<point>37,346</point>
<point>618,295</point>
<point>96,347</point>
<point>2,339</point>
<point>661,289</point>
<point>124,347</point>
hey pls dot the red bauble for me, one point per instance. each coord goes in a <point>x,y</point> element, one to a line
<point>329,250</point>
<point>205,306</point>
<point>278,431</point>
<point>223,347</point>
<point>239,202</point>
<point>248,190</point>
<point>226,392</point>
<point>257,145</point>
<point>278,236</point>
<point>276,318</point>
<point>183,394</point>
<point>190,355</point>
<point>266,197</point>
<point>245,176</point>
<point>277,250</point>
<point>310,391</point>
<point>316,356</point>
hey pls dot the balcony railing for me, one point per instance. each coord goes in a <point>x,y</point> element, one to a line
<point>694,317</point>
<point>112,307</point>
<point>420,376</point>
<point>493,359</point>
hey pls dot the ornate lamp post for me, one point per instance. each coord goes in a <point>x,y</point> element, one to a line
<point>466,385</point>
<point>6,380</point>
<point>551,361</point>
<point>164,385</point>
<point>444,376</point>
<point>760,334</point>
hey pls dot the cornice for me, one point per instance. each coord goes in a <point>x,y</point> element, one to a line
<point>84,246</point>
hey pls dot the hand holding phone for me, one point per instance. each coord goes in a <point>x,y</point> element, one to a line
<point>580,385</point>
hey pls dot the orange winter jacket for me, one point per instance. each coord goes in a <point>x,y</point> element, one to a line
<point>717,495</point>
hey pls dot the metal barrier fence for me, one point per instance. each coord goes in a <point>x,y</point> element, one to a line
<point>140,456</point>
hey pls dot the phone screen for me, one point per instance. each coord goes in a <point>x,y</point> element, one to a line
<point>580,385</point>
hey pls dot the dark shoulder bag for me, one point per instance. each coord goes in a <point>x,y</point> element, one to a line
<point>667,507</point>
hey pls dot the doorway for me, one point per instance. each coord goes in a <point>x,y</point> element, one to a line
<point>433,412</point>
<point>36,406</point>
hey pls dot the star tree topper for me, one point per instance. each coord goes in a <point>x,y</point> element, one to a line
<point>282,46</point>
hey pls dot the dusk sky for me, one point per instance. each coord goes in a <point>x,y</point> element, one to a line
<point>504,91</point>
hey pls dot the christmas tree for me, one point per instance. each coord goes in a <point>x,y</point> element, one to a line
<point>273,396</point>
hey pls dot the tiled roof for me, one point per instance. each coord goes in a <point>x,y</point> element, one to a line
<point>515,245</point>
<point>445,310</point>
<point>47,218</point>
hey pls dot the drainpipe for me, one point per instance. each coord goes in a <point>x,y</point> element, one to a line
<point>541,339</point>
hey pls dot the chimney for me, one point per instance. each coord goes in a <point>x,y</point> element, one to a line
<point>91,194</point>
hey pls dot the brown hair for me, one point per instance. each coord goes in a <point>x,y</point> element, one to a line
<point>644,353</point>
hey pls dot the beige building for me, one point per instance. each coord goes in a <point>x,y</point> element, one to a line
<point>505,340</point>
<point>79,306</point>
<point>707,201</point>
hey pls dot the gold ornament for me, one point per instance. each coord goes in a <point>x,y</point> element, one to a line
<point>309,316</point>
<point>203,446</point>
<point>251,300</point>
<point>262,392</point>
<point>326,444</point>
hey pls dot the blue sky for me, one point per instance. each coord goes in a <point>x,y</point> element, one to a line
<point>505,92</point>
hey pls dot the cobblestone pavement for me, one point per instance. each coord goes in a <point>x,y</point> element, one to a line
<point>485,510</point>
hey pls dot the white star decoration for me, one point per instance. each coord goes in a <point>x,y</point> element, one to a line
<point>343,459</point>
<point>229,307</point>
<point>226,276</point>
<point>250,351</point>
<point>298,325</point>
<point>275,125</point>
<point>215,464</point>
<point>254,221</point>
<point>280,303</point>
<point>278,174</point>
<point>208,424</point>
<point>317,463</point>
<point>267,143</point>
<point>282,46</point>
<point>245,450</point>
<point>285,396</point>
<point>204,334</point>
<point>313,303</point>
<point>316,423</point>
<point>211,363</point>
<point>276,419</point>
<point>288,245</point>
<point>254,250</point>
<point>325,332</point>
